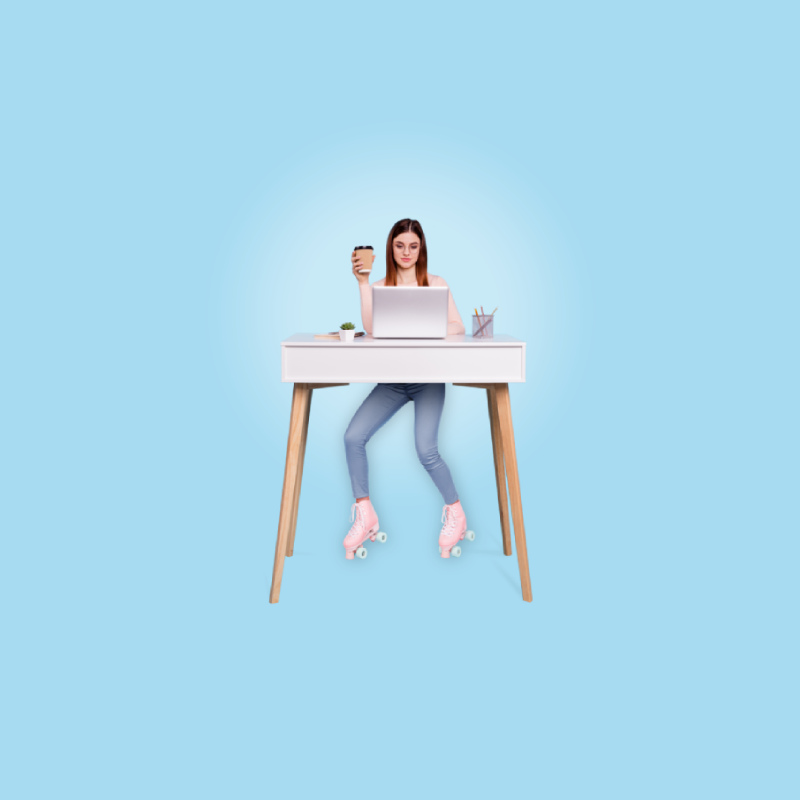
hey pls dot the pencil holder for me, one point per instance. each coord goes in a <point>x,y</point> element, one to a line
<point>482,326</point>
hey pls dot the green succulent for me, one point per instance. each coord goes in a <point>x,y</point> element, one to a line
<point>347,326</point>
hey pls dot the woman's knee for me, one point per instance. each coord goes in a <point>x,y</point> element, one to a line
<point>353,437</point>
<point>428,455</point>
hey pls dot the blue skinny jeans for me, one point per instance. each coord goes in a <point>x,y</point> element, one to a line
<point>383,402</point>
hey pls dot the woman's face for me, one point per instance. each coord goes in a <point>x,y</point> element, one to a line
<point>406,250</point>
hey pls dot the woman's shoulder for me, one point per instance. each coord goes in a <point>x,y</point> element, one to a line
<point>436,280</point>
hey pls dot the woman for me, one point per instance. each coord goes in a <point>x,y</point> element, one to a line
<point>406,265</point>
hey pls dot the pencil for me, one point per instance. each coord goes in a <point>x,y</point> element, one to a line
<point>485,324</point>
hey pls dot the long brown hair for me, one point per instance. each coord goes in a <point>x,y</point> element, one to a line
<point>407,226</point>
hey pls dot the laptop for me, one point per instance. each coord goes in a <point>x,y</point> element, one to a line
<point>409,312</point>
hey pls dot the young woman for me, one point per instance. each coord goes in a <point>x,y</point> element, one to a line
<point>406,265</point>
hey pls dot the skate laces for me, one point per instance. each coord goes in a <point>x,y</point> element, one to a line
<point>449,520</point>
<point>357,518</point>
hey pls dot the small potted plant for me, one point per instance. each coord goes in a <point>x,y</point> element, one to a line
<point>347,332</point>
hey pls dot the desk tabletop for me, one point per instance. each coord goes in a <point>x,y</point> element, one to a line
<point>454,359</point>
<point>453,340</point>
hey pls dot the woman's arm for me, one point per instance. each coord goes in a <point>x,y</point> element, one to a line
<point>361,271</point>
<point>365,290</point>
<point>454,323</point>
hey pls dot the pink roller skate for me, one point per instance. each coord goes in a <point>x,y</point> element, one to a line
<point>455,529</point>
<point>365,526</point>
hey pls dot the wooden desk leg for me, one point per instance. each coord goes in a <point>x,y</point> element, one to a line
<point>503,406</point>
<point>499,470</point>
<point>299,415</point>
<point>301,457</point>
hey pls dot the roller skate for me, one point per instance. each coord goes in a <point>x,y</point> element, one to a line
<point>455,529</point>
<point>365,526</point>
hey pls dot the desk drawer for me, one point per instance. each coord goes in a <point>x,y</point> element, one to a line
<point>356,363</point>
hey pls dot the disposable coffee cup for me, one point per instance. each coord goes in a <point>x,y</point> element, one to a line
<point>365,253</point>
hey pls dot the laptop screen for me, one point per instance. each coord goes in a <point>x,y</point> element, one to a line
<point>409,312</point>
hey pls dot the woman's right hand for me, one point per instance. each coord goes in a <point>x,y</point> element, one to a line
<point>361,277</point>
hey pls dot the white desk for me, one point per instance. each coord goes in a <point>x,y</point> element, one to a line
<point>489,364</point>
<point>366,360</point>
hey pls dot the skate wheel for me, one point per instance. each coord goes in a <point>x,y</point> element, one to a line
<point>455,551</point>
<point>361,552</point>
<point>470,535</point>
<point>381,537</point>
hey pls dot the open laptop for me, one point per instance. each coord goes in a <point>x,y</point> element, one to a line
<point>409,312</point>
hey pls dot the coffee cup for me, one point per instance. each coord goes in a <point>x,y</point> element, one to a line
<point>365,253</point>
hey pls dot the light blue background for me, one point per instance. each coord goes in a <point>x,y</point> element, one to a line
<point>181,187</point>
